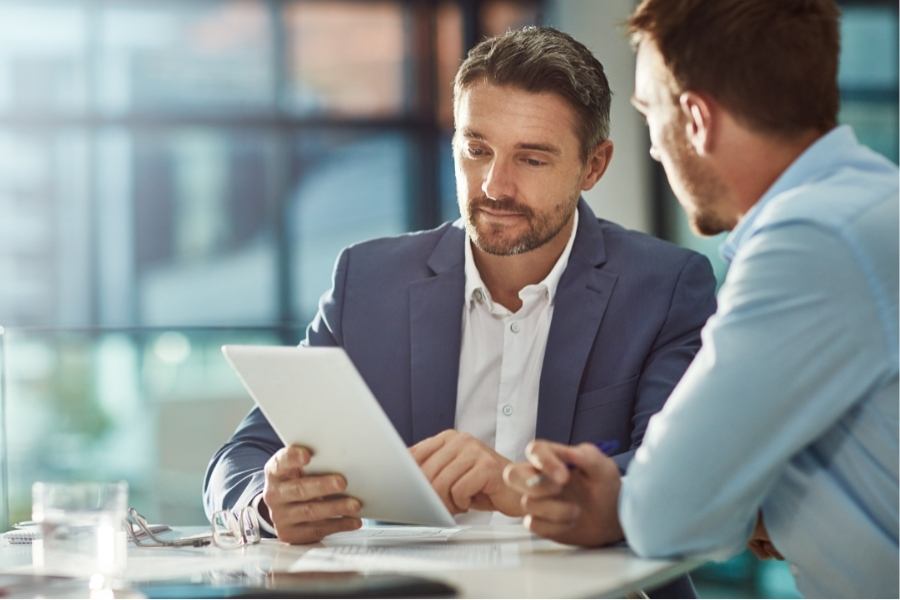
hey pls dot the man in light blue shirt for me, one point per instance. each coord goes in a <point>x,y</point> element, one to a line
<point>784,430</point>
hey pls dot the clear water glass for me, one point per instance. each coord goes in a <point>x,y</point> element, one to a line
<point>82,530</point>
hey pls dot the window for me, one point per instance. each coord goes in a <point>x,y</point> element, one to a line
<point>201,162</point>
<point>179,174</point>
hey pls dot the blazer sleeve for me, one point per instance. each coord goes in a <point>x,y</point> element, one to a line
<point>692,302</point>
<point>235,476</point>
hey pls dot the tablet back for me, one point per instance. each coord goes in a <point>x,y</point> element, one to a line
<point>315,397</point>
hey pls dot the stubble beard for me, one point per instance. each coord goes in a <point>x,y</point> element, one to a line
<point>541,227</point>
<point>704,190</point>
<point>707,223</point>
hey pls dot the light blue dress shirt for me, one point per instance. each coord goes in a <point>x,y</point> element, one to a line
<point>791,405</point>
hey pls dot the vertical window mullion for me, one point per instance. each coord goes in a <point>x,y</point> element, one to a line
<point>282,177</point>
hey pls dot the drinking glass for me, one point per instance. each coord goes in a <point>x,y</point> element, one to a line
<point>82,530</point>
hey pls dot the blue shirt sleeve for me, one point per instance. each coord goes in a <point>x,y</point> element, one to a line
<point>796,341</point>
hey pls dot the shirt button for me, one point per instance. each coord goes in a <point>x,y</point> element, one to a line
<point>507,410</point>
<point>479,296</point>
<point>514,327</point>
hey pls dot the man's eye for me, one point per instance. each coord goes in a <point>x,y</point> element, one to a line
<point>475,151</point>
<point>533,162</point>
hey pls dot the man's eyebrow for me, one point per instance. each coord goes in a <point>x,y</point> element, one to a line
<point>536,146</point>
<point>548,148</point>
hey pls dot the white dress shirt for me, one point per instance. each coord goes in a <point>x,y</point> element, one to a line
<point>500,362</point>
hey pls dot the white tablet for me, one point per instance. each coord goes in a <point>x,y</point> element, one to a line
<point>316,398</point>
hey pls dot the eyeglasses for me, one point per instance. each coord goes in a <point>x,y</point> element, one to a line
<point>229,530</point>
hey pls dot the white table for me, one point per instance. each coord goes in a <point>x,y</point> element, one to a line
<point>530,567</point>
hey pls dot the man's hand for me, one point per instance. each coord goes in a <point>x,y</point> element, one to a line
<point>570,494</point>
<point>760,544</point>
<point>305,508</point>
<point>465,473</point>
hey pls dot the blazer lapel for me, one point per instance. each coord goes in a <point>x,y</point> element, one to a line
<point>579,305</point>
<point>435,326</point>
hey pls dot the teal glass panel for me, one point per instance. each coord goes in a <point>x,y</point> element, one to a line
<point>43,63</point>
<point>868,46</point>
<point>351,187</point>
<point>45,240</point>
<point>215,54</point>
<point>186,228</point>
<point>146,406</point>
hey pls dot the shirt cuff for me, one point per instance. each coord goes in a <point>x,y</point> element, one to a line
<point>263,523</point>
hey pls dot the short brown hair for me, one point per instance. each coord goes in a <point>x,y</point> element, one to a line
<point>773,63</point>
<point>543,59</point>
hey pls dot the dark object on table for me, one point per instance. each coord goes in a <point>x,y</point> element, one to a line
<point>307,585</point>
<point>46,586</point>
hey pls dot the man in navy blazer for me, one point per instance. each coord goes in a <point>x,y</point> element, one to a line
<point>528,317</point>
<point>629,308</point>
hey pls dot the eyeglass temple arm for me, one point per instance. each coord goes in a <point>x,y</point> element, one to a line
<point>142,523</point>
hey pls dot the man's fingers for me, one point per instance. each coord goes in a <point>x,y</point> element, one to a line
<point>545,457</point>
<point>481,501</point>
<point>468,485</point>
<point>288,462</point>
<point>452,467</point>
<point>448,478</point>
<point>318,510</point>
<point>587,458</point>
<point>547,529</point>
<point>516,476</point>
<point>309,533</point>
<point>438,460</point>
<point>551,510</point>
<point>525,479</point>
<point>309,487</point>
<point>424,449</point>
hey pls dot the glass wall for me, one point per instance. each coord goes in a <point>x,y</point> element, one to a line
<point>179,174</point>
<point>148,406</point>
<point>156,155</point>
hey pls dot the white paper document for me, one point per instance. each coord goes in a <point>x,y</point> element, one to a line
<point>152,566</point>
<point>409,557</point>
<point>379,536</point>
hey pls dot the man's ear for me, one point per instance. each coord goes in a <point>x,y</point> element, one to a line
<point>597,163</point>
<point>700,122</point>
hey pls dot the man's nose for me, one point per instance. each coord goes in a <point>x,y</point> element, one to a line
<point>498,181</point>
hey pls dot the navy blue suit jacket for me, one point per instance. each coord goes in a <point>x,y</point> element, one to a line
<point>626,324</point>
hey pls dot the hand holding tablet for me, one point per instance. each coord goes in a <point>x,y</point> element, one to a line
<point>315,398</point>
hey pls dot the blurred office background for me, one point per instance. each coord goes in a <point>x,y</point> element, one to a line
<point>178,174</point>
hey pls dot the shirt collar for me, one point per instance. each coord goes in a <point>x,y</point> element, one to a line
<point>474,283</point>
<point>815,160</point>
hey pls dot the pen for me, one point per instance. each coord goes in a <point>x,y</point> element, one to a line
<point>606,447</point>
